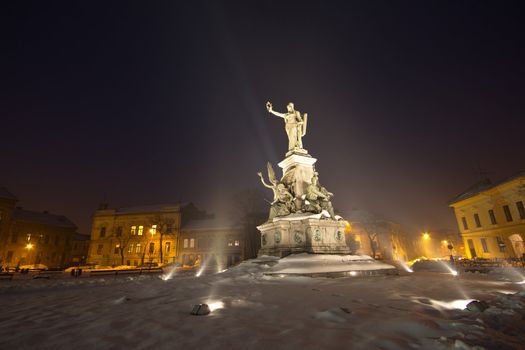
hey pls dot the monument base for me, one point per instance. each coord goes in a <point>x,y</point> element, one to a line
<point>303,233</point>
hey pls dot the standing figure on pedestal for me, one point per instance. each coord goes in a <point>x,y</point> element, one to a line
<point>295,125</point>
<point>283,201</point>
<point>317,198</point>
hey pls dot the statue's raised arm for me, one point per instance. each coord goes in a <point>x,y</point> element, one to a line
<point>269,107</point>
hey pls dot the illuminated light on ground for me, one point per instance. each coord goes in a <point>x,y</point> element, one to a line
<point>221,271</point>
<point>215,305</point>
<point>459,304</point>
<point>450,269</point>
<point>201,270</point>
<point>405,266</point>
<point>522,282</point>
<point>169,275</point>
<point>353,273</point>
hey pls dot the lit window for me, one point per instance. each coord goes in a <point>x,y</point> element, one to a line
<point>508,215</point>
<point>192,243</point>
<point>230,243</point>
<point>465,225</point>
<point>492,217</point>
<point>237,242</point>
<point>501,244</point>
<point>141,230</point>
<point>133,230</point>
<point>130,248</point>
<point>484,245</point>
<point>153,229</point>
<point>476,219</point>
<point>117,248</point>
<point>138,248</point>
<point>168,247</point>
<point>185,243</point>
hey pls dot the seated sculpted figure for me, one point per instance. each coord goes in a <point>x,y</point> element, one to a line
<point>283,201</point>
<point>317,198</point>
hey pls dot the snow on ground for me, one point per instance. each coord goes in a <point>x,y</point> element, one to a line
<point>326,263</point>
<point>422,310</point>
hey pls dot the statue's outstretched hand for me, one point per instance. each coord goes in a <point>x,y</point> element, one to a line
<point>260,174</point>
<point>269,106</point>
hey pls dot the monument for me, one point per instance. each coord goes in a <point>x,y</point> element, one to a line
<point>301,218</point>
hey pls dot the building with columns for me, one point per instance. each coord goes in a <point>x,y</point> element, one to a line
<point>491,218</point>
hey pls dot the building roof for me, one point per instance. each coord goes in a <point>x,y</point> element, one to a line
<point>211,224</point>
<point>482,186</point>
<point>4,193</point>
<point>155,208</point>
<point>42,218</point>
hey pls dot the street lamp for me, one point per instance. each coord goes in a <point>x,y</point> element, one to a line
<point>426,236</point>
<point>29,246</point>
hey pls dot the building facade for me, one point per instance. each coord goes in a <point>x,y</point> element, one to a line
<point>79,250</point>
<point>211,242</point>
<point>491,218</point>
<point>138,236</point>
<point>33,238</point>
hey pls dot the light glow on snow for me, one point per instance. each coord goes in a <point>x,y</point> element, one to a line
<point>459,304</point>
<point>201,270</point>
<point>215,305</point>
<point>452,271</point>
<point>405,266</point>
<point>353,273</point>
<point>169,275</point>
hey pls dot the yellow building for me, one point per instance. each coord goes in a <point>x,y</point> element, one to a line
<point>491,218</point>
<point>138,236</point>
<point>33,238</point>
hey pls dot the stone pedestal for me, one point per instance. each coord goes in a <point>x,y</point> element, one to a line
<point>298,169</point>
<point>298,233</point>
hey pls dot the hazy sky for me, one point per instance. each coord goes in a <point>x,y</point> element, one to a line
<point>153,102</point>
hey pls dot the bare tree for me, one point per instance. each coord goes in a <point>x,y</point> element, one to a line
<point>164,226</point>
<point>123,241</point>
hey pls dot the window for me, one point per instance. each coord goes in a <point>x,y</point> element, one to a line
<point>484,245</point>
<point>9,256</point>
<point>117,249</point>
<point>138,248</point>
<point>521,209</point>
<point>476,219</point>
<point>501,244</point>
<point>133,230</point>
<point>465,225</point>
<point>118,233</point>
<point>185,243</point>
<point>168,247</point>
<point>141,230</point>
<point>103,232</point>
<point>169,229</point>
<point>153,229</point>
<point>99,249</point>
<point>492,217</point>
<point>230,243</point>
<point>192,242</point>
<point>128,262</point>
<point>508,215</point>
<point>151,247</point>
<point>237,243</point>
<point>471,248</point>
<point>130,248</point>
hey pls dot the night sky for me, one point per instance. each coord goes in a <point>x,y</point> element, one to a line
<point>155,102</point>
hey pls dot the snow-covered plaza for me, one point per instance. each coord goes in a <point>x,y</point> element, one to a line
<point>421,310</point>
